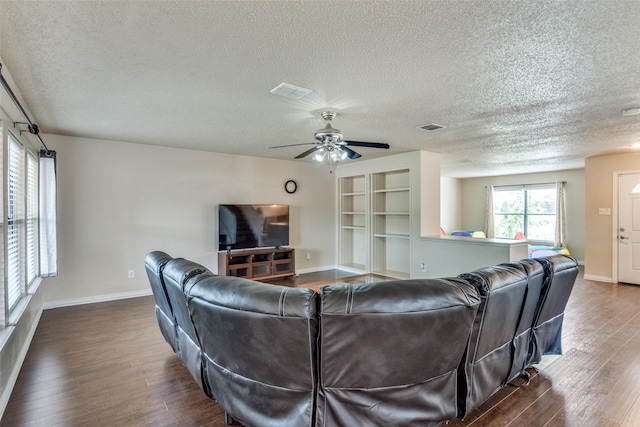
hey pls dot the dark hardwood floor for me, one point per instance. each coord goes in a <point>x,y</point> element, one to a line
<point>107,364</point>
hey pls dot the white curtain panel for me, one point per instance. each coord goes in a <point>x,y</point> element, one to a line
<point>48,215</point>
<point>561,214</point>
<point>488,223</point>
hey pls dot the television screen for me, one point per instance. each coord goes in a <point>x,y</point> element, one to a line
<point>252,226</point>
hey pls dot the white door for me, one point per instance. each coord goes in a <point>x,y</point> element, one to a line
<point>629,228</point>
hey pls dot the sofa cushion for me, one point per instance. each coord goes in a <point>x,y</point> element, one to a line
<point>154,263</point>
<point>560,275</point>
<point>389,351</point>
<point>521,347</point>
<point>176,274</point>
<point>259,344</point>
<point>489,355</point>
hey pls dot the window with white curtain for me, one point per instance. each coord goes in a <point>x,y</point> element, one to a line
<point>528,209</point>
<point>28,183</point>
<point>32,256</point>
<point>16,285</point>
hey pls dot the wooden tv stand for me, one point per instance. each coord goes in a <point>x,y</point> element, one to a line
<point>258,264</point>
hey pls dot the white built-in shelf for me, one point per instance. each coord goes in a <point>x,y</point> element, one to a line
<point>353,227</point>
<point>391,190</point>
<point>392,236</point>
<point>392,213</point>
<point>359,193</point>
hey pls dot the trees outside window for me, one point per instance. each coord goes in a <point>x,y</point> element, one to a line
<point>527,209</point>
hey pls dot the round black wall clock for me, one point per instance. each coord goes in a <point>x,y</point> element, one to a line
<point>290,186</point>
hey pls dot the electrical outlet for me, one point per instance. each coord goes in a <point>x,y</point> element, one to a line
<point>308,256</point>
<point>604,211</point>
<point>132,274</point>
<point>423,267</point>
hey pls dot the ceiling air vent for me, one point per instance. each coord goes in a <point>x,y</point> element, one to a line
<point>291,91</point>
<point>431,127</point>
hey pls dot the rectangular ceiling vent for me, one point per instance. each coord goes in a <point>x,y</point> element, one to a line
<point>431,127</point>
<point>291,91</point>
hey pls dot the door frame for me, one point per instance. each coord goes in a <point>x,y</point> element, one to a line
<point>614,222</point>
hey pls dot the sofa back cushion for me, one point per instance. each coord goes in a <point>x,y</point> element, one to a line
<point>488,360</point>
<point>560,275</point>
<point>522,339</point>
<point>154,263</point>
<point>389,351</point>
<point>176,274</point>
<point>259,344</point>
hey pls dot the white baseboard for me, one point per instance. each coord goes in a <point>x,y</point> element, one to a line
<point>95,299</point>
<point>598,278</point>
<point>15,371</point>
<point>316,269</point>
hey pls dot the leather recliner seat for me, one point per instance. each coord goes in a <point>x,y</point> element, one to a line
<point>487,366</point>
<point>560,275</point>
<point>176,273</point>
<point>259,348</point>
<point>154,263</point>
<point>521,347</point>
<point>390,351</point>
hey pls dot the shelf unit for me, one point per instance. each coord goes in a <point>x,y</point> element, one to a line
<point>375,222</point>
<point>391,223</point>
<point>353,222</point>
<point>257,264</point>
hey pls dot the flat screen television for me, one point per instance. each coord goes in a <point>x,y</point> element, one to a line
<point>252,226</point>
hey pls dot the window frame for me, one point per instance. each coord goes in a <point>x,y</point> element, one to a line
<point>526,214</point>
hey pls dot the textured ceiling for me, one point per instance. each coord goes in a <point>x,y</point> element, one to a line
<point>520,86</point>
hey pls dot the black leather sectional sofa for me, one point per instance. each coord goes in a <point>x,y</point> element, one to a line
<point>407,352</point>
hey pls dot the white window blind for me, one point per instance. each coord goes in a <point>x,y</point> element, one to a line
<point>3,229</point>
<point>15,222</point>
<point>32,218</point>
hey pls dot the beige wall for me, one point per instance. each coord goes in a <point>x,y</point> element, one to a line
<point>474,196</point>
<point>599,175</point>
<point>118,201</point>
<point>450,204</point>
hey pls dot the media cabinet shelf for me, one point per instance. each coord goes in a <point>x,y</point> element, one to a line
<point>258,264</point>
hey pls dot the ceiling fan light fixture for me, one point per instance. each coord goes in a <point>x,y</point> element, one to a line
<point>321,153</point>
<point>337,155</point>
<point>328,135</point>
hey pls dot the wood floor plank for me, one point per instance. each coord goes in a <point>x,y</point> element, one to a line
<point>108,364</point>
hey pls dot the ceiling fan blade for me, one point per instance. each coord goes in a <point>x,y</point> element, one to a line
<point>292,145</point>
<point>366,144</point>
<point>350,153</point>
<point>306,153</point>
